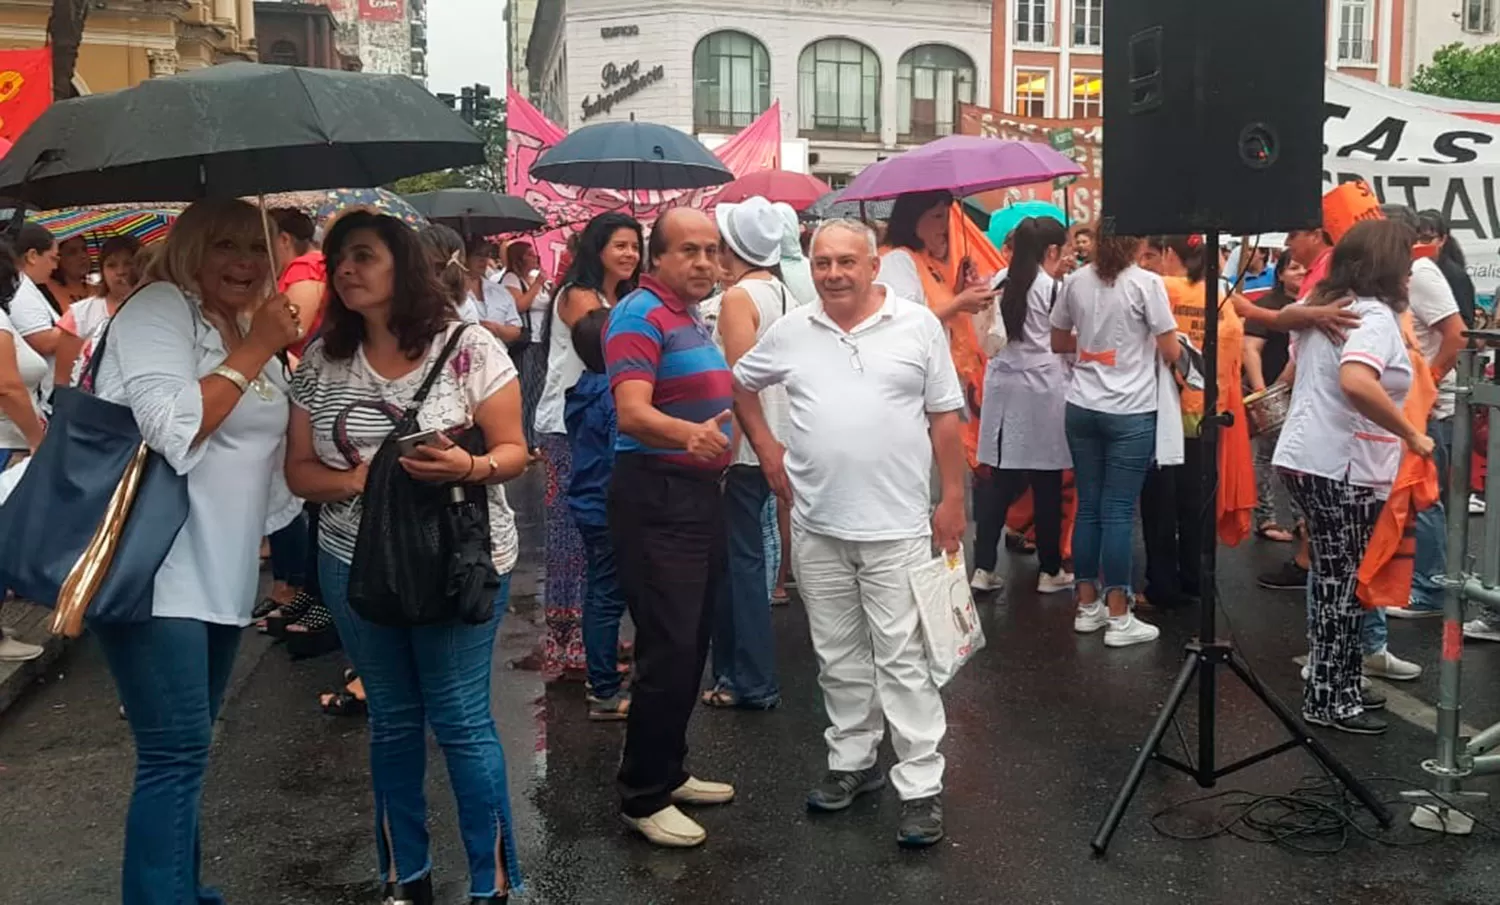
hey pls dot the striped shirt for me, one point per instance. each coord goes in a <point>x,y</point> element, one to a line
<point>656,337</point>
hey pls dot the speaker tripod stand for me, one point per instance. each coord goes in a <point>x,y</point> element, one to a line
<point>1207,654</point>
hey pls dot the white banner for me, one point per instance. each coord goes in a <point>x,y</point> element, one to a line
<point>1425,152</point>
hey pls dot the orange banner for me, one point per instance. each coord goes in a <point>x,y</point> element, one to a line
<point>25,89</point>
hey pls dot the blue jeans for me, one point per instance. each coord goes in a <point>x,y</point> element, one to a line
<point>771,537</point>
<point>1432,526</point>
<point>291,553</point>
<point>171,675</point>
<point>1111,455</point>
<point>603,607</point>
<point>438,675</point>
<point>744,646</point>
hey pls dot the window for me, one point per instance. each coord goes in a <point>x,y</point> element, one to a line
<point>284,53</point>
<point>731,80</point>
<point>1356,43</point>
<point>1479,16</point>
<point>1088,95</point>
<point>1033,25</point>
<point>1088,23</point>
<point>931,81</point>
<point>838,89</point>
<point>1031,92</point>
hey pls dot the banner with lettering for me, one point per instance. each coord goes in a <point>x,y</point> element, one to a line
<point>756,147</point>
<point>25,89</point>
<point>1426,152</point>
<point>382,10</point>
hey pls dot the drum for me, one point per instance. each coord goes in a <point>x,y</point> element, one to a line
<point>1267,410</point>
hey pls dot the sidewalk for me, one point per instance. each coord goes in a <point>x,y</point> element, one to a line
<point>28,622</point>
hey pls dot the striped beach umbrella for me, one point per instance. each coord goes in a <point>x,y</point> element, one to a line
<point>147,224</point>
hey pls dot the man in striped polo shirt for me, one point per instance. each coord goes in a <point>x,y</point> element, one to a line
<point>673,393</point>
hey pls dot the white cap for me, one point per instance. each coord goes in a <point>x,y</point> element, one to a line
<point>752,229</point>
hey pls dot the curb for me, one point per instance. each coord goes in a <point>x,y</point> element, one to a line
<point>28,622</point>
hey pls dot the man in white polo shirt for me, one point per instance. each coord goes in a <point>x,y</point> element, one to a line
<point>873,397</point>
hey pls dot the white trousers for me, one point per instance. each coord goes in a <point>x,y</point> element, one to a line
<point>871,662</point>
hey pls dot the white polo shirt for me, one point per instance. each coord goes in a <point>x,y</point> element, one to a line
<point>1117,325</point>
<point>1324,435</point>
<point>859,454</point>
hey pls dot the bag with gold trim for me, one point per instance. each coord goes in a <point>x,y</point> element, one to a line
<point>90,522</point>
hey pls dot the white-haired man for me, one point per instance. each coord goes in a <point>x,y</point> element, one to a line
<point>873,396</point>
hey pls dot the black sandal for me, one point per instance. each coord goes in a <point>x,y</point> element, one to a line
<point>343,703</point>
<point>265,608</point>
<point>316,634</point>
<point>278,620</point>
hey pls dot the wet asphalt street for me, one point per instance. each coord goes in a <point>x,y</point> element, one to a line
<point>1042,727</point>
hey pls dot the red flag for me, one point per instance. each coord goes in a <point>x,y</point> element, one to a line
<point>25,89</point>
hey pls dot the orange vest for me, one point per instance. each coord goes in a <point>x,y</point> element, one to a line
<point>1385,573</point>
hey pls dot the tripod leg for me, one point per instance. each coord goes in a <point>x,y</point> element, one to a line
<point>1311,743</point>
<point>1148,750</point>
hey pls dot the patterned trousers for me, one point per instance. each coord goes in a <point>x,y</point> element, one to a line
<point>1340,519</point>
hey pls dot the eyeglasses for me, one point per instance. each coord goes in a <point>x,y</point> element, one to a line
<point>854,359</point>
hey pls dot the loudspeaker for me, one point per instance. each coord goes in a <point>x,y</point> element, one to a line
<point>1213,115</point>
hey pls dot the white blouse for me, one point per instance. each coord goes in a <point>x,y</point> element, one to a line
<point>159,346</point>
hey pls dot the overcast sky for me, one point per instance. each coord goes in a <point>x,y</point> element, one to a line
<point>465,44</point>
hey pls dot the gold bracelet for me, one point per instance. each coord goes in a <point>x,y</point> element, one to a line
<point>230,374</point>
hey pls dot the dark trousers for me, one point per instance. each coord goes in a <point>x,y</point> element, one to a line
<point>1174,519</point>
<point>668,527</point>
<point>744,643</point>
<point>993,498</point>
<point>603,606</point>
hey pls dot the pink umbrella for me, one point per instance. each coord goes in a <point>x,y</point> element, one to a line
<point>962,165</point>
<point>797,189</point>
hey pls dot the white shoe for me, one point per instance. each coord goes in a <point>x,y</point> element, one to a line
<point>1053,584</point>
<point>13,651</point>
<point>1386,665</point>
<point>668,827</point>
<point>1090,619</point>
<point>985,581</point>
<point>1126,630</point>
<point>700,792</point>
<point>1479,630</point>
<point>1477,505</point>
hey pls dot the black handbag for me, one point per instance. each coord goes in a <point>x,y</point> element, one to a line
<point>422,554</point>
<point>90,522</point>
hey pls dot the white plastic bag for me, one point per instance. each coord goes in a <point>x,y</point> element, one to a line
<point>950,622</point>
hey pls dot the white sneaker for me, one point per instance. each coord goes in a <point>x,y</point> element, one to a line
<point>1477,505</point>
<point>669,828</point>
<point>1479,630</point>
<point>1052,584</point>
<point>1386,665</point>
<point>1126,630</point>
<point>985,581</point>
<point>13,651</point>
<point>1090,619</point>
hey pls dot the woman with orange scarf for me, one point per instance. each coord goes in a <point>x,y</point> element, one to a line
<point>1172,505</point>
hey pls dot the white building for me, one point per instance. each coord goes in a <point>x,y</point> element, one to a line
<point>858,79</point>
<point>1437,23</point>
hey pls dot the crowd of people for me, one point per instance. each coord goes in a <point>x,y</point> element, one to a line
<point>725,406</point>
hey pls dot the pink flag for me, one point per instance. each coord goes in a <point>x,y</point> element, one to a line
<point>568,208</point>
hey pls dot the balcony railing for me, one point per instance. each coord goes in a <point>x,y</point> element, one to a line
<point>1034,33</point>
<point>1356,50</point>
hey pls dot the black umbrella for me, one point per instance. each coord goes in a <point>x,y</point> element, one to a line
<point>631,155</point>
<point>233,130</point>
<point>471,211</point>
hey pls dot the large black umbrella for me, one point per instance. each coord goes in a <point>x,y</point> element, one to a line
<point>234,130</point>
<point>631,155</point>
<point>471,211</point>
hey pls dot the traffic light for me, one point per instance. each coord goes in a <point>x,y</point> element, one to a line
<point>448,100</point>
<point>466,104</point>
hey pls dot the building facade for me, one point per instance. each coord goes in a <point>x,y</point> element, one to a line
<point>858,79</point>
<point>520,15</point>
<point>300,34</point>
<point>126,42</point>
<point>387,36</point>
<point>1048,54</point>
<point>1437,23</point>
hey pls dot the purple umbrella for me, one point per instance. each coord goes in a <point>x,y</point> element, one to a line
<point>962,165</point>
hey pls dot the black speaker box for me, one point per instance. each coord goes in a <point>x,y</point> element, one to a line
<point>1213,115</point>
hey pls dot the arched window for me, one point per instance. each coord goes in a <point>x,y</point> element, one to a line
<point>284,53</point>
<point>731,80</point>
<point>931,81</point>
<point>838,89</point>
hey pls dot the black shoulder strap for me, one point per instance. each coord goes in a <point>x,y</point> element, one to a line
<point>91,371</point>
<point>433,373</point>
